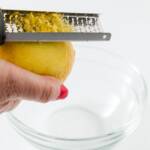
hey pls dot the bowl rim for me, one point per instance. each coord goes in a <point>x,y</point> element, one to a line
<point>109,136</point>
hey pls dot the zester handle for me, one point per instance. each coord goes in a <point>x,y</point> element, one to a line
<point>2,28</point>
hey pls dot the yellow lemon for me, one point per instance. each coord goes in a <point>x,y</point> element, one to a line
<point>51,58</point>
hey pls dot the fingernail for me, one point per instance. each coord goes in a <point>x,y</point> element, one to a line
<point>63,92</point>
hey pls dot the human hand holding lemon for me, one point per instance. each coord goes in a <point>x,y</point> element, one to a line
<point>35,71</point>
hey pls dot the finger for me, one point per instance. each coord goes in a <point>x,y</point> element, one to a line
<point>12,105</point>
<point>31,86</point>
<point>3,106</point>
<point>9,105</point>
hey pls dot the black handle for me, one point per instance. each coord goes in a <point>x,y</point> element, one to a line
<point>2,28</point>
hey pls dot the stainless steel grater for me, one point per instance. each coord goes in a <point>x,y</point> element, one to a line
<point>87,27</point>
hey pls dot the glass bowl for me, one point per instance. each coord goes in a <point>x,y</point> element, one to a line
<point>105,105</point>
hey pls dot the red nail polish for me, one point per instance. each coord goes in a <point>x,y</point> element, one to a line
<point>63,92</point>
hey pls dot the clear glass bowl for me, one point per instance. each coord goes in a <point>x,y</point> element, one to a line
<point>105,105</point>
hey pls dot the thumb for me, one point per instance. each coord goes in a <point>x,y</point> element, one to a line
<point>31,86</point>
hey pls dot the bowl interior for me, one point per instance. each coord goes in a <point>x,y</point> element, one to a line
<point>104,97</point>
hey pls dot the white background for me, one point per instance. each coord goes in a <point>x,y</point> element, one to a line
<point>129,23</point>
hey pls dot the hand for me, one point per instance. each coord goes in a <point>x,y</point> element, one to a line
<point>17,83</point>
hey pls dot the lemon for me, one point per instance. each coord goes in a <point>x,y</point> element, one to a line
<point>50,59</point>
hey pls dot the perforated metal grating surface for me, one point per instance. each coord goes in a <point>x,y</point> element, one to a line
<point>86,27</point>
<point>84,22</point>
<point>80,22</point>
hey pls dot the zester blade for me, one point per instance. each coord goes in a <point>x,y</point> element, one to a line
<point>87,27</point>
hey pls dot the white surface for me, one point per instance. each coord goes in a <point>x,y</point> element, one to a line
<point>129,23</point>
